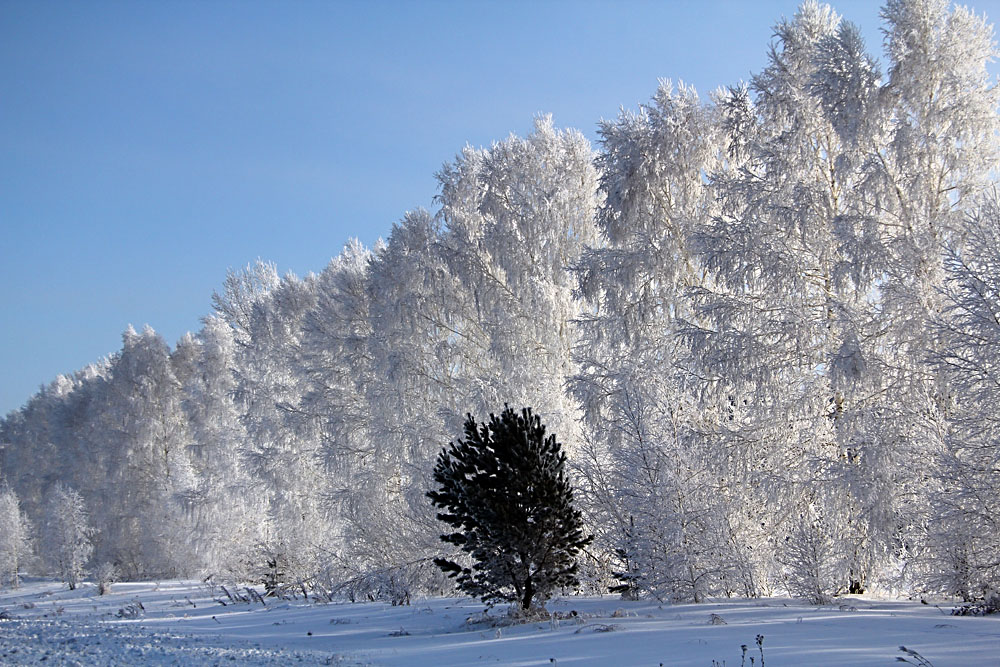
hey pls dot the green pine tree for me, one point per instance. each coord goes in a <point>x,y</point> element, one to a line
<point>504,489</point>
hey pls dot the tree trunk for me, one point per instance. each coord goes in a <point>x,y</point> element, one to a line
<point>529,592</point>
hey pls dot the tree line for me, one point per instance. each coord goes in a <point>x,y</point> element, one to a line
<point>765,326</point>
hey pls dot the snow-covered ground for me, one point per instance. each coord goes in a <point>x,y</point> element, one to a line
<point>185,623</point>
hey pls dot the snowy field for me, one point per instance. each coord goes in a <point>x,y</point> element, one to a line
<point>186,623</point>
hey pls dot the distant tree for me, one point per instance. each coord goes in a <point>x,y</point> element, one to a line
<point>504,488</point>
<point>140,510</point>
<point>224,497</point>
<point>280,452</point>
<point>66,534</point>
<point>15,531</point>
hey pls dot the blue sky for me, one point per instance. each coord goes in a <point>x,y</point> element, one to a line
<point>148,146</point>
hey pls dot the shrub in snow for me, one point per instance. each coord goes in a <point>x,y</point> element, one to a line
<point>133,609</point>
<point>990,604</point>
<point>106,574</point>
<point>283,566</point>
<point>810,558</point>
<point>629,575</point>
<point>396,584</point>
<point>505,490</point>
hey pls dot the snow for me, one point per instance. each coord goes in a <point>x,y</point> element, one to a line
<point>185,622</point>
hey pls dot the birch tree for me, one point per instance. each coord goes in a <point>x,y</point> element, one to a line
<point>963,557</point>
<point>66,533</point>
<point>15,538</point>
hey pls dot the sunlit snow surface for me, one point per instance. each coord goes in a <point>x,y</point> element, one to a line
<point>184,623</point>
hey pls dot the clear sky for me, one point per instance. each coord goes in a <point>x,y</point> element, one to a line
<point>145,147</point>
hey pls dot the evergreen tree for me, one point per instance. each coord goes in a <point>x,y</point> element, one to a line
<point>504,488</point>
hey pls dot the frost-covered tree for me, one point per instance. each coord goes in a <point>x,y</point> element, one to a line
<point>140,509</point>
<point>65,539</point>
<point>52,438</point>
<point>780,311</point>
<point>469,307</point>
<point>335,356</point>
<point>942,148</point>
<point>241,295</point>
<point>824,258</point>
<point>516,218</point>
<point>418,352</point>
<point>225,500</point>
<point>963,557</point>
<point>336,359</point>
<point>281,449</point>
<point>15,538</point>
<point>812,558</point>
<point>505,491</point>
<point>650,483</point>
